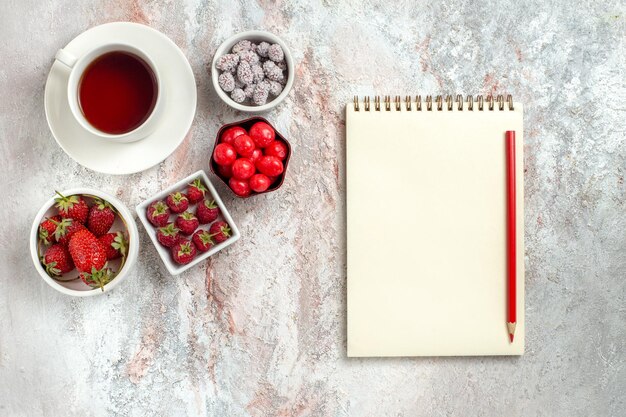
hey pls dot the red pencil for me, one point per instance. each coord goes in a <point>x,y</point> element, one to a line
<point>511,235</point>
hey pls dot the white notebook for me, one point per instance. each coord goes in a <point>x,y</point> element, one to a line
<point>426,226</point>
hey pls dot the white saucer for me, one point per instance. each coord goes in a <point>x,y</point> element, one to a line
<point>179,88</point>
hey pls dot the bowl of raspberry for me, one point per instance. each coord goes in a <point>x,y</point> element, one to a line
<point>253,71</point>
<point>84,242</point>
<point>250,156</point>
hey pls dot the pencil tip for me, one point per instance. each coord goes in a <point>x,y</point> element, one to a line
<point>511,328</point>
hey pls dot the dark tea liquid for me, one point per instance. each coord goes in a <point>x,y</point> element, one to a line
<point>117,92</point>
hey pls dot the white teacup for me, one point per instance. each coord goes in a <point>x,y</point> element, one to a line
<point>78,65</point>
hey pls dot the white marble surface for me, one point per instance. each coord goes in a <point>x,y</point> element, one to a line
<point>260,329</point>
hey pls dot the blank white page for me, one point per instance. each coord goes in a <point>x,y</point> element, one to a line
<point>426,231</point>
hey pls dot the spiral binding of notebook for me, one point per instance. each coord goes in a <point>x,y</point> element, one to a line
<point>499,104</point>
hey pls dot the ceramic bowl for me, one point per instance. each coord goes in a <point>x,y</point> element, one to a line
<point>164,252</point>
<point>253,36</point>
<point>123,222</point>
<point>247,124</point>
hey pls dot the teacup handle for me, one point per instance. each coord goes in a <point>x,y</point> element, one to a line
<point>65,58</point>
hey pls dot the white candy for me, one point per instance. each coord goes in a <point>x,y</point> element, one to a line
<point>262,49</point>
<point>238,95</point>
<point>260,93</point>
<point>249,56</point>
<point>275,53</point>
<point>243,45</point>
<point>272,72</point>
<point>244,73</point>
<point>275,88</point>
<point>226,82</point>
<point>258,73</point>
<point>249,90</point>
<point>227,62</point>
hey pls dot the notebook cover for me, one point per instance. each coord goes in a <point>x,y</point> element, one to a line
<point>426,232</point>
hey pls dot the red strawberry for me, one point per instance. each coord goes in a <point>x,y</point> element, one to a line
<point>187,223</point>
<point>203,240</point>
<point>177,202</point>
<point>207,211</point>
<point>72,207</point>
<point>183,252</point>
<point>90,258</point>
<point>168,236</point>
<point>101,217</point>
<point>196,191</point>
<point>66,229</point>
<point>57,260</point>
<point>47,228</point>
<point>220,231</point>
<point>158,214</point>
<point>115,245</point>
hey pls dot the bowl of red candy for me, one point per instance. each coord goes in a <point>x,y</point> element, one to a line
<point>250,156</point>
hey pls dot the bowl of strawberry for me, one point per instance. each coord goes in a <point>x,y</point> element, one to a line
<point>83,242</point>
<point>187,222</point>
<point>250,156</point>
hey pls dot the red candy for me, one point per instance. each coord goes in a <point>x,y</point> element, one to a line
<point>231,133</point>
<point>243,145</point>
<point>239,187</point>
<point>262,134</point>
<point>243,169</point>
<point>270,165</point>
<point>277,149</point>
<point>259,183</point>
<point>256,154</point>
<point>224,154</point>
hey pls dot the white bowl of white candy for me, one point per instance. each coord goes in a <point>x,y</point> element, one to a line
<point>253,71</point>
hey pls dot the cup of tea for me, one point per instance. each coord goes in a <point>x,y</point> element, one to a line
<point>114,91</point>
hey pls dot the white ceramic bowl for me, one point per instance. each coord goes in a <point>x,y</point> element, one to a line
<point>164,252</point>
<point>253,36</point>
<point>76,287</point>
